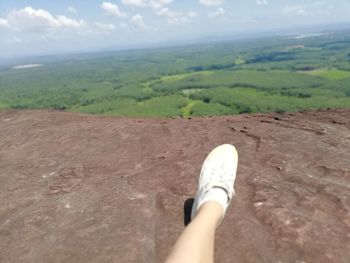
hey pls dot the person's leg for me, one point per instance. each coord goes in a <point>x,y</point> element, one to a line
<point>196,243</point>
<point>215,191</point>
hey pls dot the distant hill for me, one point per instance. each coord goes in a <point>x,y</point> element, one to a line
<point>284,73</point>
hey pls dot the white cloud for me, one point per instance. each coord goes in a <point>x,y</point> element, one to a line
<point>322,7</point>
<point>319,3</point>
<point>176,17</point>
<point>36,20</point>
<point>138,21</point>
<point>154,4</point>
<point>4,23</point>
<point>158,4</point>
<point>133,2</point>
<point>72,10</point>
<point>105,27</point>
<point>295,10</point>
<point>112,9</point>
<point>219,13</point>
<point>69,22</point>
<point>318,8</point>
<point>262,2</point>
<point>211,2</point>
<point>33,19</point>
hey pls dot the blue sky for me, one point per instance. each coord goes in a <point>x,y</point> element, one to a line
<point>32,27</point>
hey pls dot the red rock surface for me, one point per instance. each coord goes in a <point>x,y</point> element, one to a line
<point>77,188</point>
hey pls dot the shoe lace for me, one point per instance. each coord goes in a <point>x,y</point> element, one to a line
<point>218,178</point>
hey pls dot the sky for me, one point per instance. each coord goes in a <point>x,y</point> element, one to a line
<point>38,27</point>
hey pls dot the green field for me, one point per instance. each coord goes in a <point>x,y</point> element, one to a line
<point>272,74</point>
<point>332,74</point>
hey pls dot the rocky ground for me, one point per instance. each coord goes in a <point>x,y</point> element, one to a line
<point>77,188</point>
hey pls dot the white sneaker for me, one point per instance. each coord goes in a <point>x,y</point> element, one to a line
<point>218,173</point>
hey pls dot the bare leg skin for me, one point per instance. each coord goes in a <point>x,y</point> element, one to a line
<point>196,243</point>
<point>215,191</point>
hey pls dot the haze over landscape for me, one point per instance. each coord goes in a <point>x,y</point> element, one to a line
<point>35,27</point>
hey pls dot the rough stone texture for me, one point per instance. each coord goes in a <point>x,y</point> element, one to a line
<point>77,188</point>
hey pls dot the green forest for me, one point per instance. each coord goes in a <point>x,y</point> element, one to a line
<point>270,74</point>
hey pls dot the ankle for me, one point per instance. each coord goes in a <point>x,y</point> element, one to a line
<point>212,211</point>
